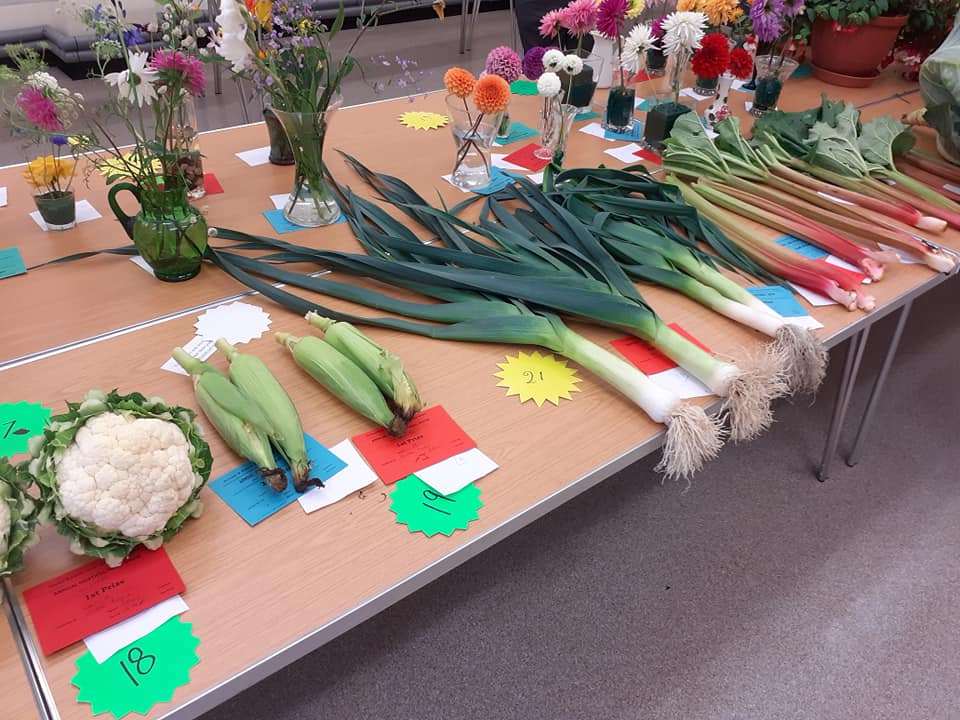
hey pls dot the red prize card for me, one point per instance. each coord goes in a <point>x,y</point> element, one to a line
<point>857,277</point>
<point>648,358</point>
<point>525,158</point>
<point>649,155</point>
<point>640,77</point>
<point>431,436</point>
<point>94,596</point>
<point>211,184</point>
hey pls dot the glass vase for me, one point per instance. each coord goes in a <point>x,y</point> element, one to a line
<point>772,73</point>
<point>656,63</point>
<point>58,208</point>
<point>556,124</point>
<point>705,87</point>
<point>577,90</point>
<point>311,204</point>
<point>504,130</point>
<point>169,233</point>
<point>280,151</point>
<point>473,133</point>
<point>186,139</point>
<point>618,117</point>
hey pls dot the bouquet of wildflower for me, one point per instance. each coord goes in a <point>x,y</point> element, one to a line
<point>153,96</point>
<point>42,112</point>
<point>179,28</point>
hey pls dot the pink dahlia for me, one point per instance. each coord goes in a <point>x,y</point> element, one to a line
<point>579,17</point>
<point>505,62</point>
<point>550,23</point>
<point>611,16</point>
<point>190,70</point>
<point>39,109</point>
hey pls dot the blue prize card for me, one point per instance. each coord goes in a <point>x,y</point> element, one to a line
<point>281,225</point>
<point>252,499</point>
<point>801,247</point>
<point>518,132</point>
<point>11,263</point>
<point>632,135</point>
<point>779,299</point>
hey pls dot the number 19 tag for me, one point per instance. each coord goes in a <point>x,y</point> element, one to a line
<point>145,672</point>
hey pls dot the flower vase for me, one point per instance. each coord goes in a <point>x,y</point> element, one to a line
<point>604,49</point>
<point>705,87</point>
<point>719,109</point>
<point>556,124</point>
<point>772,73</point>
<point>618,117</point>
<point>58,208</point>
<point>186,139</point>
<point>473,133</point>
<point>504,129</point>
<point>310,204</point>
<point>577,90</point>
<point>659,123</point>
<point>656,63</point>
<point>169,233</point>
<point>280,151</point>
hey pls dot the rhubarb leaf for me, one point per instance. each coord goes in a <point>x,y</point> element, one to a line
<point>834,150</point>
<point>688,150</point>
<point>883,138</point>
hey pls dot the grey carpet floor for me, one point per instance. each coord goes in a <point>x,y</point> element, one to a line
<point>758,594</point>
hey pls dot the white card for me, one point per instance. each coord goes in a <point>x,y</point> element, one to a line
<point>199,347</point>
<point>85,212</point>
<point>679,382</point>
<point>814,298</point>
<point>536,178</point>
<point>804,321</point>
<point>257,156</point>
<point>905,257</point>
<point>279,200</point>
<point>355,476</point>
<point>738,85</point>
<point>625,153</point>
<point>116,637</point>
<point>238,322</point>
<point>3,196</point>
<point>833,260</point>
<point>497,160</point>
<point>141,263</point>
<point>595,129</point>
<point>455,473</point>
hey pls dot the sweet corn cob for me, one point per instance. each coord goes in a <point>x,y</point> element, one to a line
<point>381,365</point>
<point>239,421</point>
<point>254,379</point>
<point>343,378</point>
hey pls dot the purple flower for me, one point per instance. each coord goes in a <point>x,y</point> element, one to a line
<point>656,27</point>
<point>767,21</point>
<point>790,8</point>
<point>133,36</point>
<point>58,140</point>
<point>533,62</point>
<point>505,62</point>
<point>611,15</point>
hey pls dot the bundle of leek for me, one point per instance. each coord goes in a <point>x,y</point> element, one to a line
<point>692,437</point>
<point>574,275</point>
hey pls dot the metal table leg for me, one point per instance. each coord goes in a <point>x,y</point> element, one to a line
<point>851,367</point>
<point>464,11</point>
<point>878,384</point>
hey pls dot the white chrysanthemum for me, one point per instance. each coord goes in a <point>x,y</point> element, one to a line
<point>135,84</point>
<point>549,84</point>
<point>683,31</point>
<point>552,60</point>
<point>572,65</point>
<point>635,46</point>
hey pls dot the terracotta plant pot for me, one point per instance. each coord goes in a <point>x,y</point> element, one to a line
<point>855,52</point>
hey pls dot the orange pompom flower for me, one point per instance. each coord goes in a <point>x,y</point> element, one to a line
<point>459,82</point>
<point>492,94</point>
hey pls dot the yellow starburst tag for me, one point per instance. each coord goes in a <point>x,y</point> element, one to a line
<point>123,167</point>
<point>419,120</point>
<point>537,377</point>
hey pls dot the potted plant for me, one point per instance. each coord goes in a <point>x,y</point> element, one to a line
<point>928,24</point>
<point>850,38</point>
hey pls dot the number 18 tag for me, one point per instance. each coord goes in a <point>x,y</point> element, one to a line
<point>144,673</point>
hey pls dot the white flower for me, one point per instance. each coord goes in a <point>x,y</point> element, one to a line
<point>135,84</point>
<point>683,31</point>
<point>552,60</point>
<point>152,27</point>
<point>635,46</point>
<point>549,84</point>
<point>42,80</point>
<point>572,64</point>
<point>233,39</point>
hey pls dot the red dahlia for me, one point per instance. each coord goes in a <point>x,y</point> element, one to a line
<point>711,60</point>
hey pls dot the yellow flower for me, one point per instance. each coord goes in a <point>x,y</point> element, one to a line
<point>263,10</point>
<point>687,5</point>
<point>48,171</point>
<point>636,7</point>
<point>719,12</point>
<point>125,166</point>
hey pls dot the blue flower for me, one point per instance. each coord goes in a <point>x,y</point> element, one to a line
<point>133,36</point>
<point>58,140</point>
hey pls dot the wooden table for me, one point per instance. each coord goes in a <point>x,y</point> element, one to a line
<point>262,597</point>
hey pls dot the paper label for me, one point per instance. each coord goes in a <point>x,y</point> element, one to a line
<point>107,642</point>
<point>19,422</point>
<point>422,509</point>
<point>256,156</point>
<point>199,347</point>
<point>518,132</point>
<point>11,263</point>
<point>537,377</point>
<point>784,302</point>
<point>525,158</point>
<point>453,474</point>
<point>625,153</point>
<point>646,357</point>
<point>420,120</point>
<point>238,322</point>
<point>85,212</point>
<point>431,436</point>
<point>95,596</point>
<point>355,476</point>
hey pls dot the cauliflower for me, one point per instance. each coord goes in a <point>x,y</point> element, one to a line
<point>18,517</point>
<point>118,471</point>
